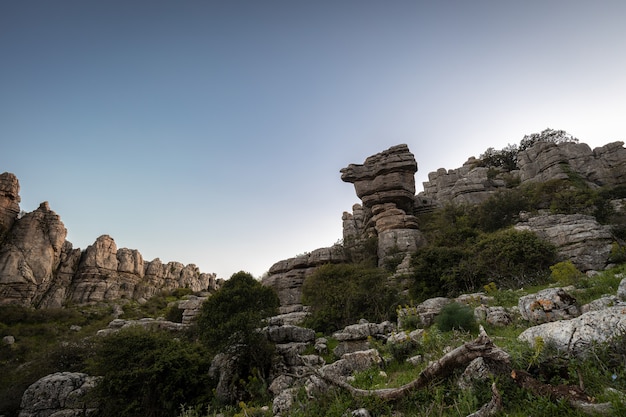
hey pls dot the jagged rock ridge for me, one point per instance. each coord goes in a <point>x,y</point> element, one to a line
<point>40,268</point>
<point>385,183</point>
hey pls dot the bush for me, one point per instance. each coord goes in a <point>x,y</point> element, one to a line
<point>339,295</point>
<point>228,323</point>
<point>455,316</point>
<point>234,312</point>
<point>148,373</point>
<point>512,258</point>
<point>565,273</point>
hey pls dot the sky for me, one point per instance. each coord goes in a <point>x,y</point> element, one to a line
<point>212,132</point>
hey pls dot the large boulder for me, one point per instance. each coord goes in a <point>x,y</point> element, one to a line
<point>547,305</point>
<point>60,394</point>
<point>578,334</point>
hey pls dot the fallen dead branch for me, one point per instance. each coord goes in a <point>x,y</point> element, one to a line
<point>460,357</point>
<point>482,346</point>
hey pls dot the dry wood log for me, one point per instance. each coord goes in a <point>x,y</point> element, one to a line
<point>482,346</point>
<point>492,407</point>
<point>574,395</point>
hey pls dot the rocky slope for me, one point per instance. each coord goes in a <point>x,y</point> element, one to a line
<point>385,183</point>
<point>40,268</point>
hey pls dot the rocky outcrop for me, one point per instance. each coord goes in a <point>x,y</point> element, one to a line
<point>286,277</point>
<point>30,256</point>
<point>544,161</point>
<point>385,183</point>
<point>9,201</point>
<point>579,334</point>
<point>60,394</point>
<point>470,184</point>
<point>548,305</point>
<point>577,237</point>
<point>40,268</point>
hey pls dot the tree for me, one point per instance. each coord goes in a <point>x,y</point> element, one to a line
<point>229,324</point>
<point>547,135</point>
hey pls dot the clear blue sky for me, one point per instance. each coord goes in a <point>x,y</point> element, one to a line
<point>213,132</point>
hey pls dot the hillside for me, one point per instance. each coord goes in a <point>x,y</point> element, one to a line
<point>499,290</point>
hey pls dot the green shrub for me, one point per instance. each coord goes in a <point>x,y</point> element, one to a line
<point>148,373</point>
<point>512,258</point>
<point>565,273</point>
<point>228,323</point>
<point>339,295</point>
<point>455,316</point>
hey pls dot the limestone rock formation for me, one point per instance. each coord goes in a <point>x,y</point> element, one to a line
<point>578,334</point>
<point>470,184</point>
<point>286,277</point>
<point>40,268</point>
<point>387,177</point>
<point>578,237</point>
<point>385,183</point>
<point>473,183</point>
<point>548,305</point>
<point>545,161</point>
<point>60,394</point>
<point>9,201</point>
<point>30,256</point>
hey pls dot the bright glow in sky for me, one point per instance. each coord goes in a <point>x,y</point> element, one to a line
<point>213,132</point>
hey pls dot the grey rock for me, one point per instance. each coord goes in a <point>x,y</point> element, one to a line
<point>290,333</point>
<point>577,237</point>
<point>353,362</point>
<point>548,305</point>
<point>62,393</point>
<point>577,335</point>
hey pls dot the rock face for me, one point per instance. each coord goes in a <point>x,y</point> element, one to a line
<point>541,162</point>
<point>385,183</point>
<point>286,277</point>
<point>9,201</point>
<point>61,394</point>
<point>40,268</point>
<point>545,161</point>
<point>578,237</point>
<point>470,184</point>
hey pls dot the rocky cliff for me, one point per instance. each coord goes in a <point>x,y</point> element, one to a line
<point>544,161</point>
<point>40,268</point>
<point>387,215</point>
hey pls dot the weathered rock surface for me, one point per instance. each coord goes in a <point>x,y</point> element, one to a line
<point>60,394</point>
<point>385,183</point>
<point>473,184</point>
<point>578,237</point>
<point>578,334</point>
<point>40,268</point>
<point>387,177</point>
<point>30,256</point>
<point>469,184</point>
<point>286,277</point>
<point>547,305</point>
<point>9,201</point>
<point>545,161</point>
